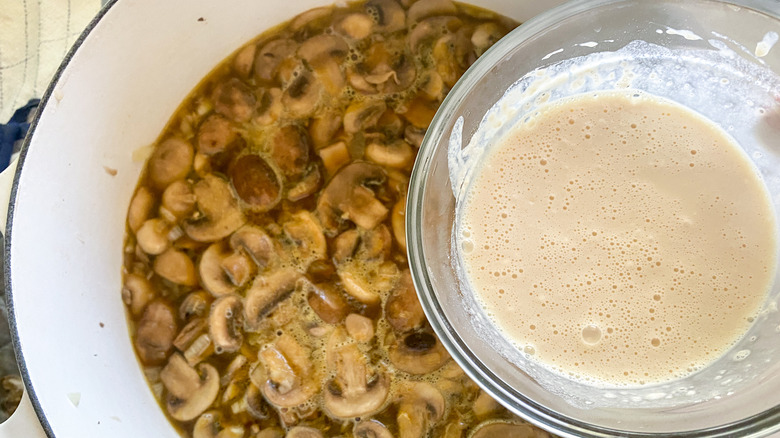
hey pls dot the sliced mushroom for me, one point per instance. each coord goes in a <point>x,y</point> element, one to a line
<point>234,100</point>
<point>270,56</point>
<point>346,197</point>
<point>357,286</point>
<point>507,430</point>
<point>356,25</point>
<point>270,432</point>
<point>305,233</point>
<point>371,429</point>
<point>255,403</point>
<point>308,184</point>
<point>191,331</point>
<point>265,292</point>
<point>429,30</point>
<point>213,275</point>
<point>220,214</point>
<point>136,293</point>
<point>140,207</point>
<point>311,20</point>
<point>402,309</point>
<point>303,432</point>
<point>286,376</point>
<point>363,114</point>
<point>327,301</point>
<point>485,35</point>
<point>359,327</point>
<point>195,389</point>
<point>417,353</point>
<point>269,107</point>
<point>427,8</point>
<point>414,135</point>
<point>225,323</point>
<point>255,243</point>
<point>388,14</point>
<point>211,425</point>
<point>289,147</point>
<point>345,246</point>
<point>178,201</point>
<point>355,391</point>
<point>485,405</point>
<point>176,267</point>
<point>397,154</point>
<point>215,134</point>
<point>334,157</point>
<point>199,350</point>
<point>171,160</point>
<point>321,48</point>
<point>155,333</point>
<point>375,243</point>
<point>367,280</point>
<point>244,60</point>
<point>302,96</point>
<point>256,182</point>
<point>324,127</point>
<point>152,237</point>
<point>419,112</point>
<point>398,220</point>
<point>421,407</point>
<point>447,66</point>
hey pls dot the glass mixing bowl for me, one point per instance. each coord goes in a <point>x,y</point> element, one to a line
<point>714,57</point>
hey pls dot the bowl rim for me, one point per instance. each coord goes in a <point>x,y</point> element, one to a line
<point>761,424</point>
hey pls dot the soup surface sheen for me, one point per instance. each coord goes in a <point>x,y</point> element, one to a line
<point>618,238</point>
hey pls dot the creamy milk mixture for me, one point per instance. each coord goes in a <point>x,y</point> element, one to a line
<point>618,238</point>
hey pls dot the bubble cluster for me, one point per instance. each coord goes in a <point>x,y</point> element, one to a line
<point>621,239</point>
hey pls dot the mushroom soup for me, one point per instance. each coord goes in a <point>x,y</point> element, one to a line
<point>265,268</point>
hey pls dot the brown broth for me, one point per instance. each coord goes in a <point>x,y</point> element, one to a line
<point>309,317</point>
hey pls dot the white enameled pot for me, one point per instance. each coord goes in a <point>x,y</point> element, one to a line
<point>114,93</point>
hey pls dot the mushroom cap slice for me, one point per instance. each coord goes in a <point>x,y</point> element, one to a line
<point>289,148</point>
<point>266,291</point>
<point>303,432</point>
<point>397,154</point>
<point>186,409</point>
<point>215,134</point>
<point>225,322</point>
<point>171,160</point>
<point>179,378</point>
<point>140,207</point>
<point>213,276</point>
<point>402,309</point>
<point>255,243</point>
<point>136,293</point>
<point>427,8</point>
<point>234,100</point>
<point>505,430</point>
<point>361,114</point>
<point>321,48</point>
<point>354,391</point>
<point>176,267</point>
<point>388,14</point>
<point>155,333</point>
<point>371,429</point>
<point>347,198</point>
<point>305,232</point>
<point>418,353</point>
<point>221,214</point>
<point>256,182</point>
<point>270,56</point>
<point>421,407</point>
<point>285,374</point>
<point>302,96</point>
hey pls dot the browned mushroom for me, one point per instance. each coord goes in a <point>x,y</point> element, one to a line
<point>270,56</point>
<point>219,213</point>
<point>427,31</point>
<point>301,98</point>
<point>303,432</point>
<point>427,8</point>
<point>269,106</point>
<point>311,20</point>
<point>215,134</point>
<point>266,291</point>
<point>255,403</point>
<point>289,148</point>
<point>212,268</point>
<point>152,237</point>
<point>421,407</point>
<point>225,323</point>
<point>414,135</point>
<point>176,267</point>
<point>355,390</point>
<point>398,220</point>
<point>190,391</point>
<point>419,112</point>
<point>195,305</point>
<point>324,127</point>
<point>347,197</point>
<point>371,429</point>
<point>136,293</point>
<point>178,201</point>
<point>485,405</point>
<point>485,35</point>
<point>507,430</point>
<point>286,375</point>
<point>359,327</point>
<point>308,241</point>
<point>171,160</point>
<point>211,425</point>
<point>323,48</point>
<point>334,157</point>
<point>345,246</point>
<point>244,60</point>
<point>256,182</point>
<point>140,207</point>
<point>397,154</point>
<point>388,14</point>
<point>363,114</point>
<point>402,309</point>
<point>255,243</point>
<point>234,100</point>
<point>327,301</point>
<point>307,185</point>
<point>417,352</point>
<point>155,333</point>
<point>356,25</point>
